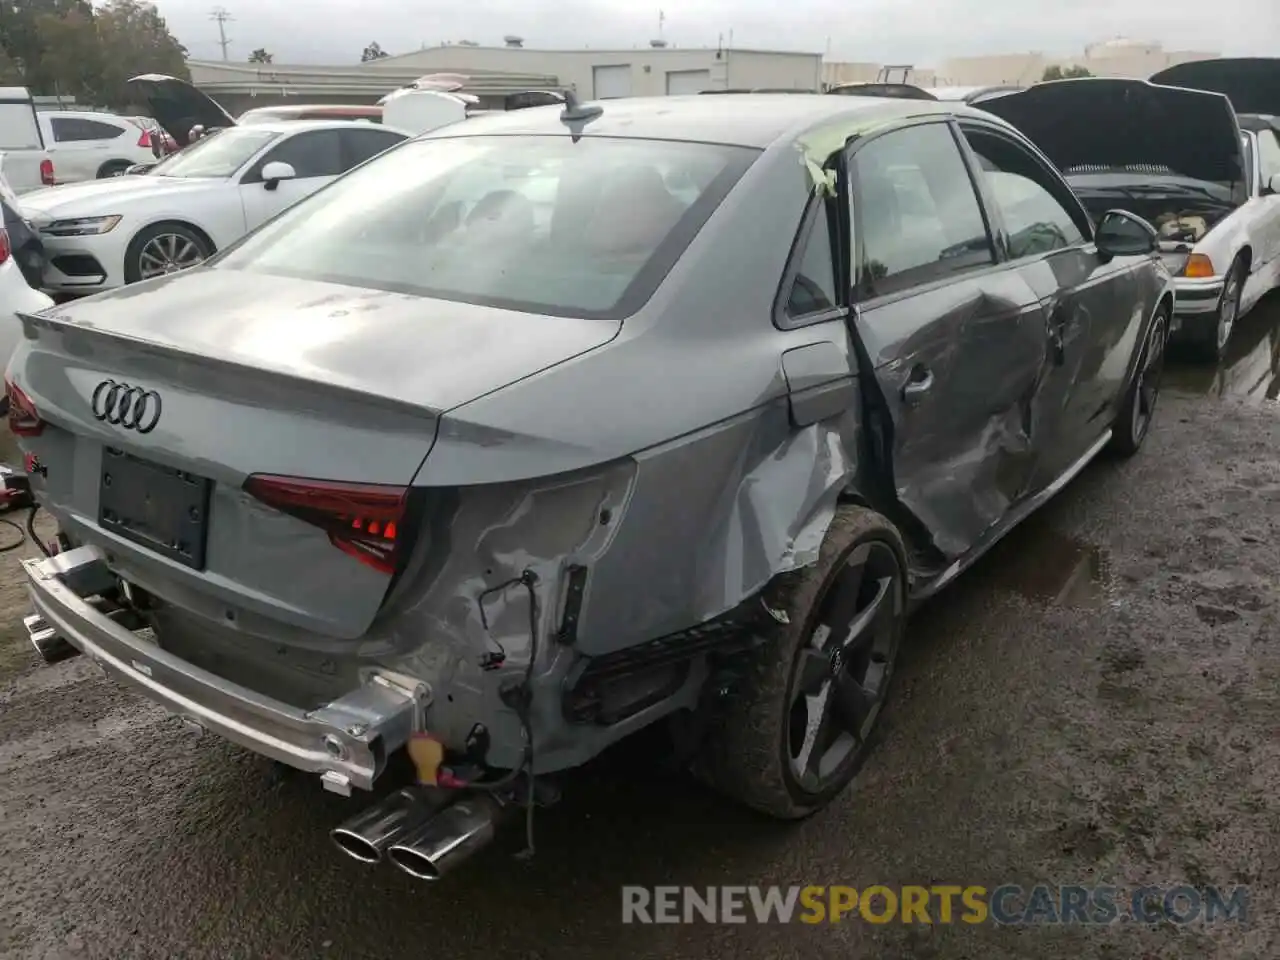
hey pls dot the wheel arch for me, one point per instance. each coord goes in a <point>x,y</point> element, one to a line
<point>127,252</point>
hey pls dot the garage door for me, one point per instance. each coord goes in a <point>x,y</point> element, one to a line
<point>684,82</point>
<point>613,81</point>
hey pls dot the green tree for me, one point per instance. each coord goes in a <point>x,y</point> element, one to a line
<point>261,56</point>
<point>1056,72</point>
<point>372,52</point>
<point>21,42</point>
<point>67,47</point>
<point>135,39</point>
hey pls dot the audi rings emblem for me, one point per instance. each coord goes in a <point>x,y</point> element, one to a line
<point>127,406</point>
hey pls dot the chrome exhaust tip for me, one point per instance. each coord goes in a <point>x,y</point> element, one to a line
<point>51,647</point>
<point>366,836</point>
<point>448,839</point>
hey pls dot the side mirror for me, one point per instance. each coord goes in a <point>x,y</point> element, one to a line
<point>1272,186</point>
<point>275,171</point>
<point>1124,234</point>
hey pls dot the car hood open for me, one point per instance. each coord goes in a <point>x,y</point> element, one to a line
<point>1096,121</point>
<point>178,106</point>
<point>1252,84</point>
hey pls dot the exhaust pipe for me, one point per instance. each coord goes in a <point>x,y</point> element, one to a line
<point>463,828</point>
<point>367,835</point>
<point>51,647</point>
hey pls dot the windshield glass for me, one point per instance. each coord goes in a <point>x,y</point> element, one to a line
<point>219,155</point>
<point>539,224</point>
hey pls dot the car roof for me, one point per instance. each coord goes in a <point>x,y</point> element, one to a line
<point>317,110</point>
<point>85,115</point>
<point>296,126</point>
<point>748,120</point>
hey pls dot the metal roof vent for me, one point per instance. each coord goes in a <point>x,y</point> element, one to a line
<point>513,41</point>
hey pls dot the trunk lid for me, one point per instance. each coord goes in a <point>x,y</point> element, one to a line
<point>1094,121</point>
<point>178,106</point>
<point>252,375</point>
<point>1252,84</point>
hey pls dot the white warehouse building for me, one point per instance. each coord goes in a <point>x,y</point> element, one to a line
<point>654,70</point>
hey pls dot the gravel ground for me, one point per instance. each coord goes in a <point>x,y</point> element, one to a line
<point>1095,702</point>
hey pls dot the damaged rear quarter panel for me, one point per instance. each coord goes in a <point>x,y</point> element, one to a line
<point>666,462</point>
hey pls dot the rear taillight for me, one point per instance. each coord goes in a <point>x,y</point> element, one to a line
<point>362,519</point>
<point>144,140</point>
<point>46,172</point>
<point>6,248</point>
<point>24,418</point>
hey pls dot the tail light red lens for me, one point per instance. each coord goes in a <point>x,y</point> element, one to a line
<point>6,247</point>
<point>144,140</point>
<point>363,520</point>
<point>46,172</point>
<point>24,418</point>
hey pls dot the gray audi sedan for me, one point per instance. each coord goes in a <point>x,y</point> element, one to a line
<point>553,425</point>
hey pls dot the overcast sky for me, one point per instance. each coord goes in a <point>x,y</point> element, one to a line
<point>920,32</point>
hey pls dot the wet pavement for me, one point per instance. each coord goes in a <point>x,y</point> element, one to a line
<point>1096,702</point>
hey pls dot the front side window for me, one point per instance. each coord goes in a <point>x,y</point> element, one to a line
<point>539,224</point>
<point>217,156</point>
<point>316,153</point>
<point>916,216</point>
<point>360,144</point>
<point>1036,220</point>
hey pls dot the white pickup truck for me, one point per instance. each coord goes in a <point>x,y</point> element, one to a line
<point>27,164</point>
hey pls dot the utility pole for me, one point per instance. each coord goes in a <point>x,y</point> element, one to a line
<point>222,18</point>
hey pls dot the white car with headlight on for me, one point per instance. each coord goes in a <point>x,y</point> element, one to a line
<point>105,233</point>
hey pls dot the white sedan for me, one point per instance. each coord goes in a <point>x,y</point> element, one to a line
<point>107,233</point>
<point>15,294</point>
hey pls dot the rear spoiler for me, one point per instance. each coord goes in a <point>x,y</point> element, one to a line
<point>897,91</point>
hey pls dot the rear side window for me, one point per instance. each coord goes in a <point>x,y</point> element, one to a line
<point>813,290</point>
<point>916,215</point>
<point>78,129</point>
<point>531,223</point>
<point>360,144</point>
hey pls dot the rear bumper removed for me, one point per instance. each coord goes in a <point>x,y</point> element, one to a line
<point>346,742</point>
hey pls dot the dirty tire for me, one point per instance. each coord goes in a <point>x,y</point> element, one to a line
<point>1133,423</point>
<point>169,235</point>
<point>1210,344</point>
<point>748,752</point>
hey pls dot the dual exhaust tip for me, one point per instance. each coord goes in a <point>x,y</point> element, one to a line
<point>423,833</point>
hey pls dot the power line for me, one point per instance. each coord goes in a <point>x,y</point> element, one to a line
<point>222,18</point>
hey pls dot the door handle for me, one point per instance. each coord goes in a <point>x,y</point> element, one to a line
<point>918,384</point>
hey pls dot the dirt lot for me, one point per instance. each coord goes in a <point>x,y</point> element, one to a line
<point>1097,702</point>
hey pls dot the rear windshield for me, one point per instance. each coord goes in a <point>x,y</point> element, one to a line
<point>537,224</point>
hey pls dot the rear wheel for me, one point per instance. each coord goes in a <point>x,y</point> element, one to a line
<point>1211,344</point>
<point>164,248</point>
<point>1134,421</point>
<point>800,726</point>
